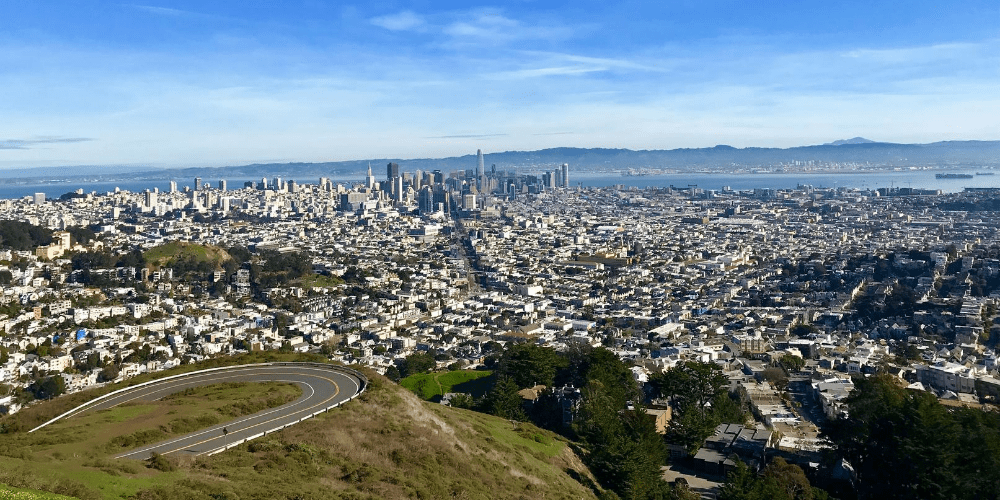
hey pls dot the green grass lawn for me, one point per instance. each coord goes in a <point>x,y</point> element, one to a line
<point>431,386</point>
<point>320,281</point>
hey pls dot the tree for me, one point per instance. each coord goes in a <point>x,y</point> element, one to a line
<point>48,388</point>
<point>108,373</point>
<point>776,376</point>
<point>625,452</point>
<point>791,363</point>
<point>4,355</point>
<point>691,386</point>
<point>392,373</point>
<point>504,401</point>
<point>691,383</point>
<point>789,478</point>
<point>529,364</point>
<point>803,330</point>
<point>418,362</point>
<point>462,400</point>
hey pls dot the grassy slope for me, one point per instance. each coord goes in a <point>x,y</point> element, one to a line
<point>169,252</point>
<point>385,444</point>
<point>81,447</point>
<point>11,493</point>
<point>433,385</point>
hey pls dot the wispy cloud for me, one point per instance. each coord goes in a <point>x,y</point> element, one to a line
<point>30,143</point>
<point>163,11</point>
<point>543,72</point>
<point>180,13</point>
<point>483,26</point>
<point>466,136</point>
<point>401,21</point>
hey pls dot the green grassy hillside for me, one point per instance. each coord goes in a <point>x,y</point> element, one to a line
<point>170,254</point>
<point>386,444</point>
<point>431,386</point>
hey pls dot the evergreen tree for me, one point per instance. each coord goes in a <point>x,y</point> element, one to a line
<point>504,401</point>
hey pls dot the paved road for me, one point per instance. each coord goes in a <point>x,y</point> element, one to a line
<point>322,388</point>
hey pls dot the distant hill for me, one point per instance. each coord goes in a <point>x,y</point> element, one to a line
<point>856,140</point>
<point>948,154</point>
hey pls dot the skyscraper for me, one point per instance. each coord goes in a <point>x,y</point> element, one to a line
<point>370,181</point>
<point>222,185</point>
<point>197,183</point>
<point>480,165</point>
<point>565,175</point>
<point>391,171</point>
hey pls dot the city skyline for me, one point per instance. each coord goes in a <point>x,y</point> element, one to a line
<point>185,84</point>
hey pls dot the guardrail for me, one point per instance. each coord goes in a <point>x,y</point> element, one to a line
<point>262,434</point>
<point>356,374</point>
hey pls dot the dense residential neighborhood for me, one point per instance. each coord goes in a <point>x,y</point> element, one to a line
<point>792,294</point>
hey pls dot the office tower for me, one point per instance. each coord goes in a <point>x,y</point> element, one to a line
<point>565,175</point>
<point>391,171</point>
<point>370,180</point>
<point>480,165</point>
<point>263,183</point>
<point>397,188</point>
<point>425,200</point>
<point>442,200</point>
<point>173,186</point>
<point>438,177</point>
<point>150,200</point>
<point>39,198</point>
<point>292,186</point>
<point>278,185</point>
<point>416,180</point>
<point>222,185</point>
<point>197,183</point>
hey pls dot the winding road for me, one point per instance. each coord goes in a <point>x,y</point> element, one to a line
<point>323,387</point>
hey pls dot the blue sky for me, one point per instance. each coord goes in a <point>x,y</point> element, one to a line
<point>220,82</point>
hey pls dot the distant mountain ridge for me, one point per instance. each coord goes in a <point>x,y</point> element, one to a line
<point>945,154</point>
<point>855,140</point>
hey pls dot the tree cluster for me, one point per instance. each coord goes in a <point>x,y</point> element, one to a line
<point>905,444</point>
<point>17,235</point>
<point>780,480</point>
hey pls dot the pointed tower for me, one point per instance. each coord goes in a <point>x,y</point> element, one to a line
<point>370,181</point>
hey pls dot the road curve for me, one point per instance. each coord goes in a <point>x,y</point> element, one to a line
<point>323,387</point>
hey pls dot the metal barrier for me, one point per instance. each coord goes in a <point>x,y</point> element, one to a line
<point>362,379</point>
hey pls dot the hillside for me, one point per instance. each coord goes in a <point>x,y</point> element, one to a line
<point>385,444</point>
<point>176,252</point>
